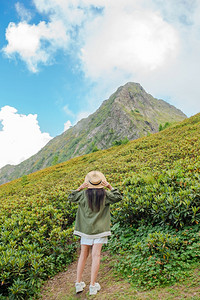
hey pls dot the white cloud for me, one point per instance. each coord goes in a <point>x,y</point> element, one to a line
<point>82,115</point>
<point>20,136</point>
<point>35,43</point>
<point>68,111</point>
<point>128,42</point>
<point>178,81</point>
<point>67,125</point>
<point>69,11</point>
<point>179,12</point>
<point>72,12</point>
<point>126,37</point>
<point>23,13</point>
<point>76,117</point>
<point>153,42</point>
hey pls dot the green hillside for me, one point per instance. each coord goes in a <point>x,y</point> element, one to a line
<point>157,221</point>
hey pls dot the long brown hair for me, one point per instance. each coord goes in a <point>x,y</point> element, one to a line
<point>95,198</point>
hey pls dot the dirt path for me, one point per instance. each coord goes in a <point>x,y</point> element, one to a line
<point>61,287</point>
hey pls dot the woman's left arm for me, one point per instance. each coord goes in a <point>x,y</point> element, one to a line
<point>113,195</point>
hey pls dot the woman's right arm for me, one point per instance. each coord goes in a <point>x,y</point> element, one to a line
<point>75,196</point>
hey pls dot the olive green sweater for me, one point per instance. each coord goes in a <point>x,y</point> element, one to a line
<point>91,224</point>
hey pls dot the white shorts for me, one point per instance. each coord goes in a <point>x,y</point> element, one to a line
<point>90,242</point>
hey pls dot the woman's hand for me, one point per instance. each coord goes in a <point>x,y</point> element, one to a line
<point>82,186</point>
<point>106,184</point>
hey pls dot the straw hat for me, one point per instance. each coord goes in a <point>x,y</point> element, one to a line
<point>94,179</point>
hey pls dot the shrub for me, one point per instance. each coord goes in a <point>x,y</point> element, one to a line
<point>120,142</point>
<point>153,256</point>
<point>95,149</point>
<point>171,197</point>
<point>36,242</point>
<point>166,125</point>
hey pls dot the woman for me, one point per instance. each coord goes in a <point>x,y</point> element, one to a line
<point>92,223</point>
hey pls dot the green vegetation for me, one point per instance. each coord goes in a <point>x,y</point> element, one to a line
<point>153,256</point>
<point>155,228</point>
<point>55,160</point>
<point>137,111</point>
<point>120,142</point>
<point>166,125</point>
<point>169,197</point>
<point>24,180</point>
<point>95,149</point>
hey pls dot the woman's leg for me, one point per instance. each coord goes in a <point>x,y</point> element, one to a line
<point>82,260</point>
<point>96,256</point>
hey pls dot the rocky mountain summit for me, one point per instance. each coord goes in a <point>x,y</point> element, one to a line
<point>129,113</point>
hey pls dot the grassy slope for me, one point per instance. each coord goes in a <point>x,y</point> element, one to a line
<point>160,150</point>
<point>47,188</point>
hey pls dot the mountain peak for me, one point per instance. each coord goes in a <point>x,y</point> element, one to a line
<point>129,112</point>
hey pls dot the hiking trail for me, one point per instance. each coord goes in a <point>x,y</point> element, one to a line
<point>113,286</point>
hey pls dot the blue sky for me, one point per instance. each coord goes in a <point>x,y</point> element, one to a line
<point>60,59</point>
<point>46,92</point>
